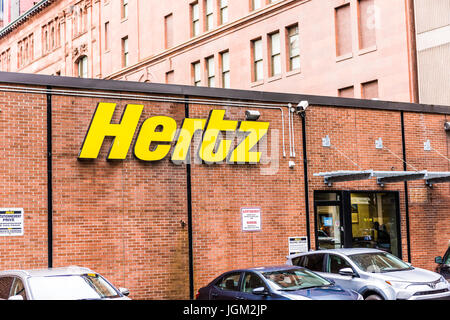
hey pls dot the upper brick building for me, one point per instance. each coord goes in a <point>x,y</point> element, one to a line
<point>350,48</point>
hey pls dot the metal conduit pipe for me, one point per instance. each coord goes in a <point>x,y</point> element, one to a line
<point>88,94</point>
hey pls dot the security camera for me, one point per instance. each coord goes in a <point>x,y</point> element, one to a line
<point>302,106</point>
<point>447,126</point>
<point>252,115</point>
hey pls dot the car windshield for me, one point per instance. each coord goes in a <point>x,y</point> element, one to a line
<point>71,287</point>
<point>295,279</point>
<point>379,262</point>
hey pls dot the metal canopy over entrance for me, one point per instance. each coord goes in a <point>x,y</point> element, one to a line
<point>384,177</point>
<point>341,176</point>
<point>437,177</point>
<point>398,176</point>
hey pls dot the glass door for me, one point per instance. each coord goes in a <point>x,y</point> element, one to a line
<point>329,229</point>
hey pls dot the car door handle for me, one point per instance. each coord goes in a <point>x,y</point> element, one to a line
<point>214,295</point>
<point>240,298</point>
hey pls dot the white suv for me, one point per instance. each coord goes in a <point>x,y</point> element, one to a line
<point>71,283</point>
<point>375,274</point>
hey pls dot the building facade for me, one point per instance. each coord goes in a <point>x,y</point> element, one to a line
<point>433,50</point>
<point>93,182</point>
<point>348,48</point>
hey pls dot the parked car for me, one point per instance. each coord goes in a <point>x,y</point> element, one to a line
<point>375,274</point>
<point>71,283</point>
<point>274,283</point>
<point>444,265</point>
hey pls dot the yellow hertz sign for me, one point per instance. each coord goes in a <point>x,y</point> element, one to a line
<point>213,149</point>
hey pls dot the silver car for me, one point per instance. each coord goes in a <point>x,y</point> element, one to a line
<point>375,274</point>
<point>71,283</point>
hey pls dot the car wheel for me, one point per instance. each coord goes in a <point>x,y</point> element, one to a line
<point>373,297</point>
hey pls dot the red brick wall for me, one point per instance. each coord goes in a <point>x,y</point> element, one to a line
<point>123,218</point>
<point>23,167</point>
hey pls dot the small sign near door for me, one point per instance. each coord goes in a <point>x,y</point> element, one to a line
<point>251,219</point>
<point>298,245</point>
<point>11,222</point>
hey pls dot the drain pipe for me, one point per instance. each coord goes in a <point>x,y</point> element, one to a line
<point>301,109</point>
<point>49,179</point>
<point>189,215</point>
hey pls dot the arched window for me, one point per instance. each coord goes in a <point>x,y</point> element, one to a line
<point>82,66</point>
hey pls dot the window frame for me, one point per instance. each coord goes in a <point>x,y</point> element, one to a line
<point>125,52</point>
<point>255,61</point>
<point>223,8</point>
<point>291,57</point>
<point>210,73</point>
<point>208,15</point>
<point>124,9</point>
<point>195,18</point>
<point>225,72</point>
<point>196,81</point>
<point>273,56</point>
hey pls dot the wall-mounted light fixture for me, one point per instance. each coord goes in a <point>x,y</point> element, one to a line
<point>252,115</point>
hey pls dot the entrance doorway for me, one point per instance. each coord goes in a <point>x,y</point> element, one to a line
<point>357,219</point>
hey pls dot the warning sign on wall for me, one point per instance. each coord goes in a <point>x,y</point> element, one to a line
<point>11,222</point>
<point>251,219</point>
<point>298,245</point>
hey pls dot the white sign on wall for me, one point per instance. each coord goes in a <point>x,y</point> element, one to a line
<point>251,219</point>
<point>11,222</point>
<point>298,245</point>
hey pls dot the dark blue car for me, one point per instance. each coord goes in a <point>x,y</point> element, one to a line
<point>274,283</point>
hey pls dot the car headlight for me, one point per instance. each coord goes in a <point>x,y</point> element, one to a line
<point>398,284</point>
<point>443,280</point>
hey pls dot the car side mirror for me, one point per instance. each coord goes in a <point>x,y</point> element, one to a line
<point>124,291</point>
<point>347,272</point>
<point>16,297</point>
<point>260,291</point>
<point>438,260</point>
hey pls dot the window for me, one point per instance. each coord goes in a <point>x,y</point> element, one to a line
<point>347,92</point>
<point>196,73</point>
<point>106,36</point>
<point>225,63</point>
<point>210,70</point>
<point>124,9</point>
<point>18,289</point>
<point>257,54</point>
<point>252,281</point>
<point>125,61</point>
<point>209,12</point>
<point>5,287</point>
<point>369,90</point>
<point>314,262</point>
<point>294,48</point>
<point>230,282</point>
<point>82,67</point>
<point>343,30</point>
<point>170,76</point>
<point>168,31</point>
<point>44,40</point>
<point>336,263</point>
<point>275,54</point>
<point>195,19</point>
<point>256,4</point>
<point>366,24</point>
<point>223,5</point>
